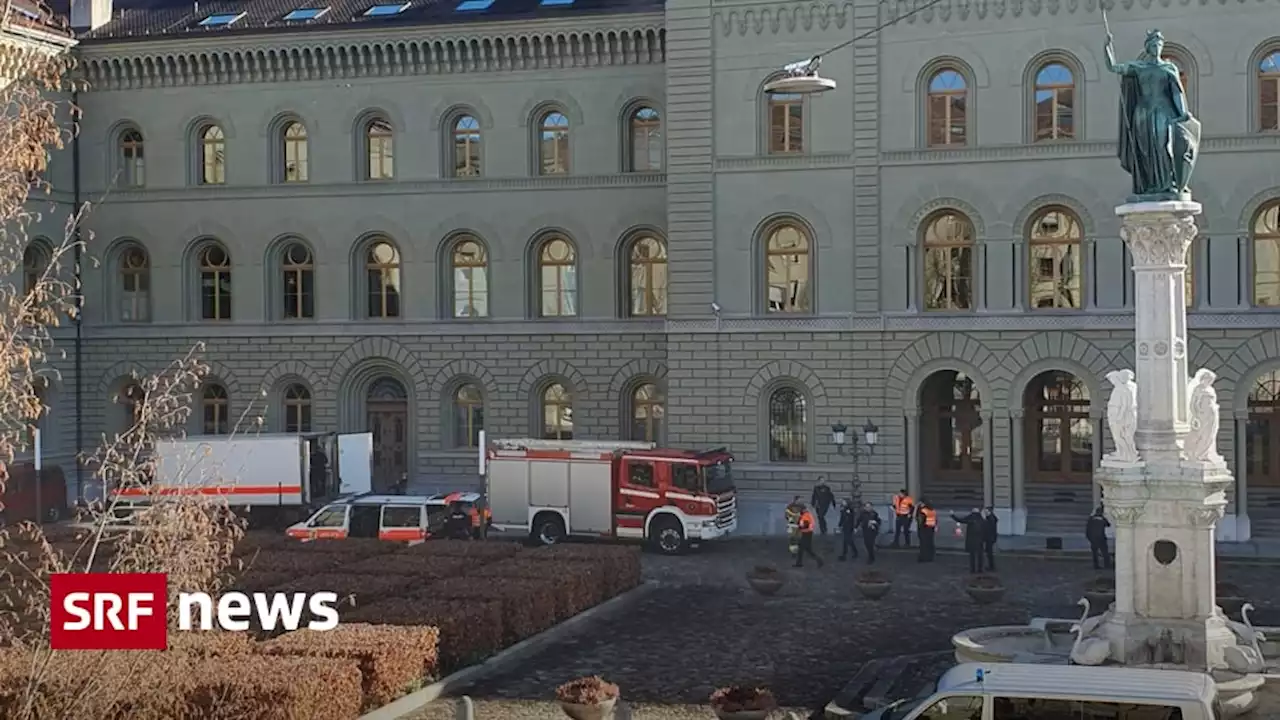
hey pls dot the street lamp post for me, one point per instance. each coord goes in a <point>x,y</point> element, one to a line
<point>856,448</point>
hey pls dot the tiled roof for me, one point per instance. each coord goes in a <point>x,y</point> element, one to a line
<point>38,15</point>
<point>135,19</point>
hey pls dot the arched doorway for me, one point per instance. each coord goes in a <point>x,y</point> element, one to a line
<point>951,441</point>
<point>1059,452</point>
<point>388,409</point>
<point>1262,455</point>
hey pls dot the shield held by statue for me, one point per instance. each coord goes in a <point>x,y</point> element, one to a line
<point>1186,148</point>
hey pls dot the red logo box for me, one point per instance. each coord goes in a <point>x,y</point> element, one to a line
<point>108,611</point>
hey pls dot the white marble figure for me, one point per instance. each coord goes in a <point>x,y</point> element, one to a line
<point>1122,416</point>
<point>1089,650</point>
<point>1245,658</point>
<point>1201,444</point>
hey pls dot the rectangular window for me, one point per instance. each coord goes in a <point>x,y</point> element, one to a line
<point>386,10</point>
<point>686,477</point>
<point>221,19</point>
<point>473,5</point>
<point>555,3</point>
<point>135,300</point>
<point>384,293</point>
<point>303,14</point>
<point>640,474</point>
<point>559,291</point>
<point>395,516</point>
<point>215,295</point>
<point>1052,709</point>
<point>299,295</point>
<point>470,292</point>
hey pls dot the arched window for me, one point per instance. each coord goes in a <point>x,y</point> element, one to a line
<point>379,140</point>
<point>213,156</point>
<point>553,144</point>
<point>948,109</point>
<point>35,263</point>
<point>135,285</point>
<point>1266,256</point>
<point>133,167</point>
<point>647,413</point>
<point>646,150</point>
<point>294,159</point>
<point>788,426</point>
<point>1054,238</point>
<point>787,269</point>
<point>297,409</point>
<point>466,147</point>
<point>1262,437</point>
<point>470,279</point>
<point>1055,102</point>
<point>133,398</point>
<point>785,117</point>
<point>1269,92</point>
<point>382,272</point>
<point>557,413</point>
<point>215,283</point>
<point>299,270</point>
<point>948,262</point>
<point>557,279</point>
<point>468,416</point>
<point>648,277</point>
<point>1057,406</point>
<point>214,410</point>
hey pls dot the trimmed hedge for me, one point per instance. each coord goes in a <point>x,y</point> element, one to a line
<point>470,630</point>
<point>212,643</point>
<point>256,687</point>
<point>576,590</point>
<point>417,565</point>
<point>471,549</point>
<point>622,567</point>
<point>393,660</point>
<point>528,606</point>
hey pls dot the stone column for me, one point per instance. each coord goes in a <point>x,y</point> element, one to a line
<point>913,453</point>
<point>1158,235</point>
<point>1242,529</point>
<point>1097,460</point>
<point>1019,471</point>
<point>988,463</point>
<point>1125,519</point>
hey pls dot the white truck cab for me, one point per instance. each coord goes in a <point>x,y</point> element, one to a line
<point>1008,691</point>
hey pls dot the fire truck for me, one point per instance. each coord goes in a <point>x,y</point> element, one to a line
<point>551,489</point>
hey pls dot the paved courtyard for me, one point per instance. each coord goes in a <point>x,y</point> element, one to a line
<point>703,627</point>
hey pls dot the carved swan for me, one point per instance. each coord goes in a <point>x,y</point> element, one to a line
<point>1089,650</point>
<point>1245,659</point>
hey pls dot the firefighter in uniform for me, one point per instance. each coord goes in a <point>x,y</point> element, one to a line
<point>903,509</point>
<point>792,512</point>
<point>806,527</point>
<point>928,525</point>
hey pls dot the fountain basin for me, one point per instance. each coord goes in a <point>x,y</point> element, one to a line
<point>1013,643</point>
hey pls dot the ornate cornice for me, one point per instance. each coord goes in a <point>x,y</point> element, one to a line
<point>753,163</point>
<point>783,18</point>
<point>963,10</point>
<point>998,153</point>
<point>927,322</point>
<point>383,189</point>
<point>125,67</point>
<point>361,328</point>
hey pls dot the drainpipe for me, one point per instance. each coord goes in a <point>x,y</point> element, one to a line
<point>79,300</point>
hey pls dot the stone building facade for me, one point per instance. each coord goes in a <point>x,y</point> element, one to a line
<point>589,220</point>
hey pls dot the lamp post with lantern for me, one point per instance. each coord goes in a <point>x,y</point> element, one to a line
<point>855,447</point>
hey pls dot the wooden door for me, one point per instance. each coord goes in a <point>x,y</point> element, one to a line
<point>388,421</point>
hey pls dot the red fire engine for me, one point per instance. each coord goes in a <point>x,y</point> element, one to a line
<point>553,488</point>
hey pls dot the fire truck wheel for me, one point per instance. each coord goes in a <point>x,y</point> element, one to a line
<point>548,528</point>
<point>667,536</point>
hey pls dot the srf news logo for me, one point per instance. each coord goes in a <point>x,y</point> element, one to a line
<point>128,611</point>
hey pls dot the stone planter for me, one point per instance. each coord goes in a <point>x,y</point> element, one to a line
<point>740,714</point>
<point>601,711</point>
<point>873,590</point>
<point>765,585</point>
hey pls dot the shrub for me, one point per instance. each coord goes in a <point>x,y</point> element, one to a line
<point>470,630</point>
<point>212,643</point>
<point>366,588</point>
<point>392,659</point>
<point>621,562</point>
<point>579,585</point>
<point>90,684</point>
<point>255,580</point>
<point>528,606</point>
<point>297,563</point>
<point>349,548</point>
<point>425,567</point>
<point>273,688</point>
<point>492,550</point>
<point>587,691</point>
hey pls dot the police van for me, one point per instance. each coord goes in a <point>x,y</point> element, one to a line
<point>399,518</point>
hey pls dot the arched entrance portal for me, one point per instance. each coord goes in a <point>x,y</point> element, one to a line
<point>388,409</point>
<point>951,441</point>
<point>1059,452</point>
<point>1262,456</point>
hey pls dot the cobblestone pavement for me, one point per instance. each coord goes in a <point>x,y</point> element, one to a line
<point>704,627</point>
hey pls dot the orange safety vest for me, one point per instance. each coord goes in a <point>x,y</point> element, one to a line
<point>475,517</point>
<point>806,523</point>
<point>930,517</point>
<point>902,504</point>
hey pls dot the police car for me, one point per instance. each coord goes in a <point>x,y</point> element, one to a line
<point>400,518</point>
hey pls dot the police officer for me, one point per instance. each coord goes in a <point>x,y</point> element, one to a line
<point>927,523</point>
<point>903,509</point>
<point>848,526</point>
<point>869,522</point>
<point>1095,531</point>
<point>990,533</point>
<point>457,526</point>
<point>806,528</point>
<point>974,528</point>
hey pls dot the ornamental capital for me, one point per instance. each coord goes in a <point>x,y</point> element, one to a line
<point>1159,240</point>
<point>1127,516</point>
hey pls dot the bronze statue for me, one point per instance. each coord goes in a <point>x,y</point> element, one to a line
<point>1159,139</point>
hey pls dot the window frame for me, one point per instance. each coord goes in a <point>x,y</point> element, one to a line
<point>1029,242</point>
<point>393,268</point>
<point>786,102</point>
<point>965,94</point>
<point>215,409</point>
<point>564,402</point>
<point>304,275</point>
<point>37,257</point>
<point>774,454</point>
<point>928,248</point>
<point>131,157</point>
<point>467,415</point>
<point>632,124</point>
<point>141,274</point>
<point>294,138</point>
<point>562,146</point>
<point>377,146</point>
<point>654,430</point>
<point>655,269</point>
<point>1270,236</point>
<point>1261,76</point>
<point>222,278</point>
<point>479,262</point>
<point>1038,66</point>
<point>568,294</point>
<point>769,232</point>
<point>474,144</point>
<point>297,400</point>
<point>211,154</point>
